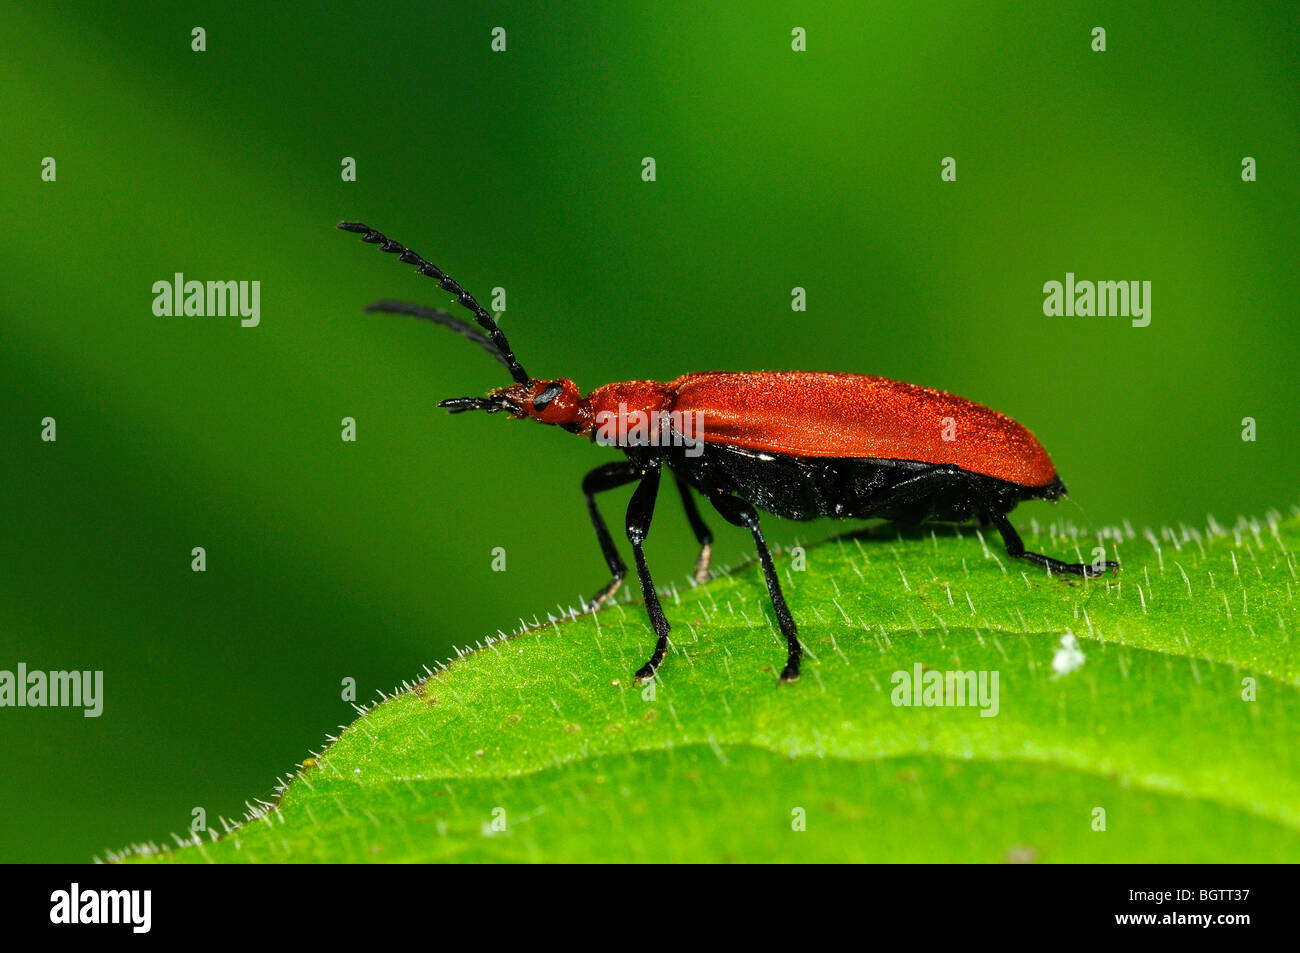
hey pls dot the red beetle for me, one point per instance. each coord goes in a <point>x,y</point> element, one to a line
<point>795,444</point>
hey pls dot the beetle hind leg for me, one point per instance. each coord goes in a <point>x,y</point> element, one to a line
<point>739,513</point>
<point>1016,550</point>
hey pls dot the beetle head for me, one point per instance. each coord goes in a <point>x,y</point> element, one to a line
<point>549,402</point>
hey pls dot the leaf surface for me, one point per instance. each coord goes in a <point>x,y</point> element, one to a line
<point>1175,729</point>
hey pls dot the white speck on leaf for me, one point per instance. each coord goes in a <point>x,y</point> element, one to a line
<point>1068,658</point>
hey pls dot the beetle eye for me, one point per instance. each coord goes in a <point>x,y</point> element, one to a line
<point>543,400</point>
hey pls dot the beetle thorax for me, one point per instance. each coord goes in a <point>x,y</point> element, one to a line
<point>625,407</point>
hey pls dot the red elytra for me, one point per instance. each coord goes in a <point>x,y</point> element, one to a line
<point>809,414</point>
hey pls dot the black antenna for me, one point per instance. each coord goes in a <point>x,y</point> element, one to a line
<point>449,284</point>
<point>458,405</point>
<point>443,318</point>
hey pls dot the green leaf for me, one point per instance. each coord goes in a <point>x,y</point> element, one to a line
<point>1178,721</point>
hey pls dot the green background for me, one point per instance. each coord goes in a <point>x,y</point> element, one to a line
<point>522,169</point>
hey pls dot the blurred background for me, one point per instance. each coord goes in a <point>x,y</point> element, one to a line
<point>522,169</point>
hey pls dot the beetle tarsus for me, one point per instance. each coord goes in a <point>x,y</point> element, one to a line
<point>1016,550</point>
<point>1090,570</point>
<point>702,564</point>
<point>647,671</point>
<point>1087,570</point>
<point>600,598</point>
<point>791,671</point>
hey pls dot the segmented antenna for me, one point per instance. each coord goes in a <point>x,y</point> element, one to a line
<point>440,317</point>
<point>447,283</point>
<point>458,405</point>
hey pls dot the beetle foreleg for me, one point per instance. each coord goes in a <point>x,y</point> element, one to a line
<point>607,477</point>
<point>1016,550</point>
<point>639,513</point>
<point>739,513</point>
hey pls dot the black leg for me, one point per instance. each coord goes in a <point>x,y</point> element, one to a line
<point>702,534</point>
<point>1016,550</point>
<point>639,513</point>
<point>739,513</point>
<point>607,477</point>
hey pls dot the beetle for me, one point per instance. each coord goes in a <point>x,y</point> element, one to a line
<point>794,444</point>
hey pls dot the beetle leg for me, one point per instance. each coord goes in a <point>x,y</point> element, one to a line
<point>702,534</point>
<point>607,477</point>
<point>1016,550</point>
<point>739,513</point>
<point>639,513</point>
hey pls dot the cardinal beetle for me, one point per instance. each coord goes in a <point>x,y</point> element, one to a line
<point>797,445</point>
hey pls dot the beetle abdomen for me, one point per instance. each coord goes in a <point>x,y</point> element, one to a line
<point>809,488</point>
